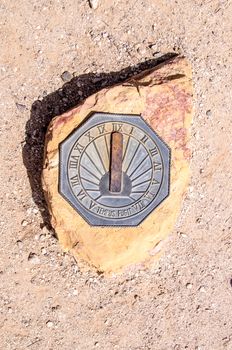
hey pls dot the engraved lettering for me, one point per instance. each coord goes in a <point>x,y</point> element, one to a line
<point>75,181</point>
<point>73,163</point>
<point>157,166</point>
<point>132,129</point>
<point>106,212</point>
<point>124,212</point>
<point>100,210</point>
<point>92,204</point>
<point>144,139</point>
<point>155,182</point>
<point>90,137</point>
<point>101,128</point>
<point>138,206</point>
<point>154,151</point>
<point>117,127</point>
<point>149,195</point>
<point>78,147</point>
<point>81,195</point>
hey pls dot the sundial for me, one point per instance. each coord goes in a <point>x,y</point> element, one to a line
<point>114,169</point>
<point>117,167</point>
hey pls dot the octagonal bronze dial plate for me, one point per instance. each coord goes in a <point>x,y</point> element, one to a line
<point>114,169</point>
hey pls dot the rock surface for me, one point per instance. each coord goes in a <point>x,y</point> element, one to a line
<point>163,96</point>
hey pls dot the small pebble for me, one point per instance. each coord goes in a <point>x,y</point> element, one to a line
<point>105,35</point>
<point>182,234</point>
<point>141,50</point>
<point>49,324</point>
<point>24,223</point>
<point>177,347</point>
<point>33,258</point>
<point>29,211</point>
<point>93,4</point>
<point>157,54</point>
<point>19,244</point>
<point>43,251</point>
<point>75,269</point>
<point>209,113</point>
<point>42,237</point>
<point>189,285</point>
<point>21,107</point>
<point>153,47</point>
<point>66,76</point>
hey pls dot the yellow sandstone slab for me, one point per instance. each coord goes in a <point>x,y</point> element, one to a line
<point>163,96</point>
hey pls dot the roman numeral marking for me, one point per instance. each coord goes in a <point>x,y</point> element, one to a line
<point>101,128</point>
<point>92,204</point>
<point>157,166</point>
<point>90,137</point>
<point>144,139</point>
<point>81,195</point>
<point>117,127</point>
<point>155,182</point>
<point>154,151</point>
<point>149,195</point>
<point>75,181</point>
<point>78,147</point>
<point>73,163</point>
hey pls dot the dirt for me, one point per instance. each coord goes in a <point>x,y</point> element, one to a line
<point>50,301</point>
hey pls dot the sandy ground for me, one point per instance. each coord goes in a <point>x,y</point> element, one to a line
<point>47,300</point>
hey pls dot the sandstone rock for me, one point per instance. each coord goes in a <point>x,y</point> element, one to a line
<point>163,96</point>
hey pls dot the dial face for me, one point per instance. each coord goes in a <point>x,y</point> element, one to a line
<point>114,168</point>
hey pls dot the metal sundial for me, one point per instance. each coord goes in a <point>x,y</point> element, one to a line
<point>114,169</point>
